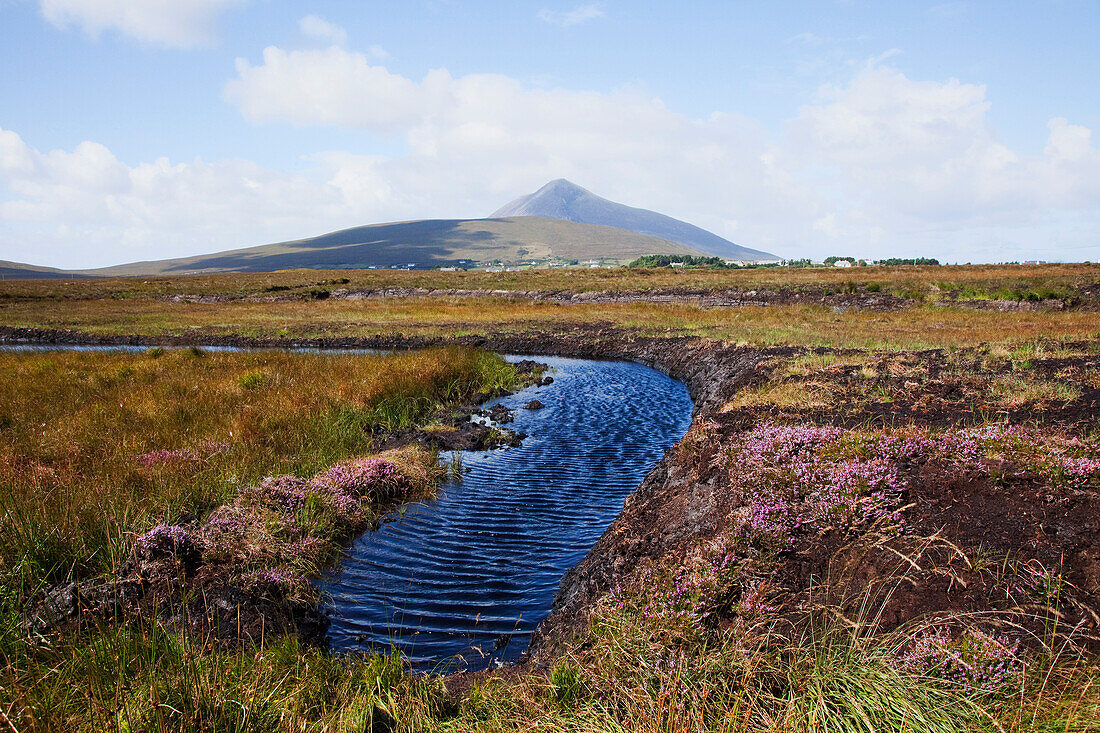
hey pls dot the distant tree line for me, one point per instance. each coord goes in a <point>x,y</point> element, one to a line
<point>717,263</point>
<point>893,261</point>
<point>714,263</point>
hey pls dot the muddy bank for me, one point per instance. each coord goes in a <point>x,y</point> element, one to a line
<point>984,532</point>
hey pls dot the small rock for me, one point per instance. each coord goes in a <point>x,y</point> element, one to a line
<point>534,405</point>
<point>500,414</point>
<point>547,380</point>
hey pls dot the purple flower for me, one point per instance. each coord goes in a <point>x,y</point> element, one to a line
<point>975,661</point>
<point>168,539</point>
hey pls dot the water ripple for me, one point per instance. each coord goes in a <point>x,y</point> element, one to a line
<point>461,581</point>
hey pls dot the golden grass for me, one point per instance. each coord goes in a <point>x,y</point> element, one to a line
<point>74,428</point>
<point>1016,390</point>
<point>919,327</point>
<point>789,395</point>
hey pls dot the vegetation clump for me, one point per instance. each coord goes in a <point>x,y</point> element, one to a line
<point>686,261</point>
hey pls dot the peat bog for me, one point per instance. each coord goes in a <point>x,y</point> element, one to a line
<point>878,517</point>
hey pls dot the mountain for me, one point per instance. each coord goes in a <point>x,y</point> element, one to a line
<point>560,221</point>
<point>423,244</point>
<point>561,199</point>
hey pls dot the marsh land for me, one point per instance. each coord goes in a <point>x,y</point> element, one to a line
<point>883,515</point>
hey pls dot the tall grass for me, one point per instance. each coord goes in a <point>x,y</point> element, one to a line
<point>98,446</point>
<point>625,674</point>
<point>141,677</point>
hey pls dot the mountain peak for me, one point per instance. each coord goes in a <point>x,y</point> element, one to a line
<point>563,199</point>
<point>561,185</point>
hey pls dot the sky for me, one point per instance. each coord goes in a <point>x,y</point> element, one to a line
<point>147,129</point>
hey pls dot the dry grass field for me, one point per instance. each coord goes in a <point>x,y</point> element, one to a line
<point>985,281</point>
<point>924,326</point>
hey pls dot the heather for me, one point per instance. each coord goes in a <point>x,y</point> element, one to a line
<point>278,534</point>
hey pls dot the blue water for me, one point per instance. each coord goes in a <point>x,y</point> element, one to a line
<point>461,581</point>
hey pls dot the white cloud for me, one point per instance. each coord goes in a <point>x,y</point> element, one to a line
<point>882,165</point>
<point>331,86</point>
<point>118,213</point>
<point>576,16</point>
<point>921,156</point>
<point>175,23</point>
<point>316,27</point>
<point>1068,142</point>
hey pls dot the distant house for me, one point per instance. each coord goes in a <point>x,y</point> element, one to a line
<point>842,263</point>
<point>676,264</point>
<point>448,269</point>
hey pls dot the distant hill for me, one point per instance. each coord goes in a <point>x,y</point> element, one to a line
<point>561,199</point>
<point>422,244</point>
<point>20,271</point>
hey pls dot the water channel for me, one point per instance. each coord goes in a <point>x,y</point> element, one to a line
<point>461,581</point>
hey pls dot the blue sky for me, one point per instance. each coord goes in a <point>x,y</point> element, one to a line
<point>141,129</point>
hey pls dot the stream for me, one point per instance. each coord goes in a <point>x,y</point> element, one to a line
<point>461,581</point>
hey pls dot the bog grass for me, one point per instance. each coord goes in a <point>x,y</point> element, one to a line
<point>651,676</point>
<point>95,447</point>
<point>919,327</point>
<point>979,282</point>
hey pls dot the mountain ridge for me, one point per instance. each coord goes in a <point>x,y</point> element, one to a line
<point>562,199</point>
<point>575,225</point>
<point>422,243</point>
